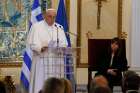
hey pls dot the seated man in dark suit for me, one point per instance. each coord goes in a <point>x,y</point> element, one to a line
<point>112,62</point>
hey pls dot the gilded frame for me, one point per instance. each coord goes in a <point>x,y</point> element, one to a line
<point>12,34</point>
<point>119,29</point>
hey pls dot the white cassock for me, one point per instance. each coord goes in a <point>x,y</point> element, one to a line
<point>48,63</point>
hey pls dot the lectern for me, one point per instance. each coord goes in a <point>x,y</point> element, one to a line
<point>59,62</point>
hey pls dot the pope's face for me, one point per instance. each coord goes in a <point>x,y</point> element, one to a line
<point>50,17</point>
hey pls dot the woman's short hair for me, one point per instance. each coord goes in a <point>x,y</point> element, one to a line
<point>115,40</point>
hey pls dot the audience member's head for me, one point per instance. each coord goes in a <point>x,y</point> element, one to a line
<point>100,89</point>
<point>131,81</point>
<point>8,79</point>
<point>53,85</point>
<point>129,73</point>
<point>67,85</point>
<point>99,80</point>
<point>10,86</point>
<point>2,87</point>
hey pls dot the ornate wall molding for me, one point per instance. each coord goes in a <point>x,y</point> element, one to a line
<point>10,65</point>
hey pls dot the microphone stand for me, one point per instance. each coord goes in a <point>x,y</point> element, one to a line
<point>59,55</point>
<point>57,36</point>
<point>57,40</point>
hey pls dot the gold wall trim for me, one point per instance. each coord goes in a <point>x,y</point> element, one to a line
<point>79,64</point>
<point>68,9</point>
<point>120,7</point>
<point>10,65</point>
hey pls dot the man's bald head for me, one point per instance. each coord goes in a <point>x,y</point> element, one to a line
<point>50,16</point>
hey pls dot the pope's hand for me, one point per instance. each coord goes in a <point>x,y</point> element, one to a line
<point>44,49</point>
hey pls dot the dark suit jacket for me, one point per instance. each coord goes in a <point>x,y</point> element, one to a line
<point>119,63</point>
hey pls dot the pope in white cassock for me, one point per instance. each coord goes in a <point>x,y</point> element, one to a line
<point>46,63</point>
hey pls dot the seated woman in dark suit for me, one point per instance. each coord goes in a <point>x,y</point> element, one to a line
<point>112,62</point>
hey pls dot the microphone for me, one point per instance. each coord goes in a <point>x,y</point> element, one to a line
<point>67,33</point>
<point>70,33</point>
<point>55,25</point>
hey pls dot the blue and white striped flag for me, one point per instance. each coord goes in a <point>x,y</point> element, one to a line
<point>36,16</point>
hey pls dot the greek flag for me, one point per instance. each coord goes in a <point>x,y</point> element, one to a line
<point>61,19</point>
<point>36,16</point>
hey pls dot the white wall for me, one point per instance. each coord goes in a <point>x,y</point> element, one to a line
<point>135,34</point>
<point>81,74</point>
<point>73,20</point>
<point>126,26</point>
